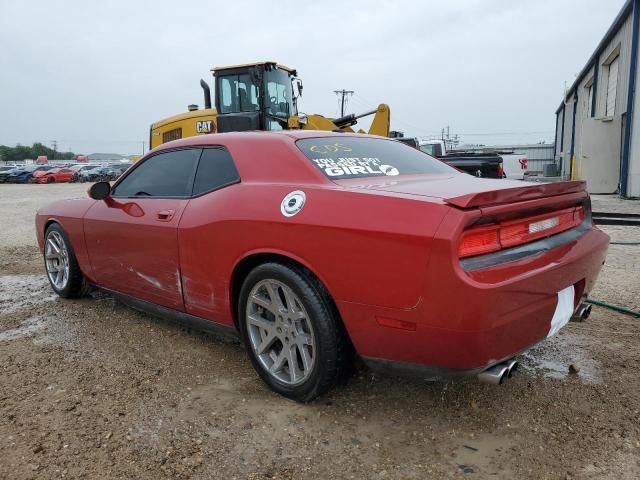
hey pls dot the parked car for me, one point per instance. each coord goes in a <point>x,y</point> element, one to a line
<point>96,174</point>
<point>5,168</point>
<point>485,165</point>
<point>328,242</point>
<point>25,174</point>
<point>411,141</point>
<point>515,165</point>
<point>119,169</point>
<point>55,175</point>
<point>5,172</point>
<point>77,169</point>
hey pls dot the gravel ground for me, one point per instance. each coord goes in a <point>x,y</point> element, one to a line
<point>92,389</point>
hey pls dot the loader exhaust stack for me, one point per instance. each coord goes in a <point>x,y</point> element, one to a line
<point>207,93</point>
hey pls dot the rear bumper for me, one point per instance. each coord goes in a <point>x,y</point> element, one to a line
<point>468,321</point>
<point>418,371</point>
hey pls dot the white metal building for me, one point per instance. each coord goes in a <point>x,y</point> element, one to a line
<point>598,122</point>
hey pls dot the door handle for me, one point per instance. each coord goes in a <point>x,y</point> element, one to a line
<point>165,215</point>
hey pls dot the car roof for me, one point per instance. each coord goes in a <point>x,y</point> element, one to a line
<point>284,135</point>
<point>279,168</point>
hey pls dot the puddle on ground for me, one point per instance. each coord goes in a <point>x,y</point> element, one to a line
<point>18,295</point>
<point>552,358</point>
<point>42,330</point>
<point>29,327</point>
<point>23,291</point>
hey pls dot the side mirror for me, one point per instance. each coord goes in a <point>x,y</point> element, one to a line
<point>100,190</point>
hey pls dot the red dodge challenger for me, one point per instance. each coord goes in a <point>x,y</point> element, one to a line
<point>313,245</point>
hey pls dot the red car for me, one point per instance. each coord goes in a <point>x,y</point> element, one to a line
<point>313,245</point>
<point>55,175</point>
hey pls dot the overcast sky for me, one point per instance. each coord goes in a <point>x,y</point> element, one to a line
<point>95,75</point>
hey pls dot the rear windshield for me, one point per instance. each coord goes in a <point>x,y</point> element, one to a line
<point>353,157</point>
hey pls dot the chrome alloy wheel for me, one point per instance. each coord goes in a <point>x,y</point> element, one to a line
<point>280,332</point>
<point>57,260</point>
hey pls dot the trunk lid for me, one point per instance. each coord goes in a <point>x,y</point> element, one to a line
<point>464,191</point>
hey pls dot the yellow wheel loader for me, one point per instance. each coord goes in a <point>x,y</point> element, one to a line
<point>256,96</point>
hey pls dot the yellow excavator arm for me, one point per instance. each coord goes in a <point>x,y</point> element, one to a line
<point>379,126</point>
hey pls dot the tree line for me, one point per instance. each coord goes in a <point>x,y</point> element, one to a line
<point>22,152</point>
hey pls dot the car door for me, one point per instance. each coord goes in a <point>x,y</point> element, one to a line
<point>203,235</point>
<point>131,236</point>
<point>64,175</point>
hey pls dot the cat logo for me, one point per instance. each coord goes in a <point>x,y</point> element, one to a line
<point>205,126</point>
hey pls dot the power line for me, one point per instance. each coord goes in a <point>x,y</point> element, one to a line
<point>342,94</point>
<point>359,99</point>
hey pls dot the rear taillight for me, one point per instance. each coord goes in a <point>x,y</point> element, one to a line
<point>500,170</point>
<point>479,240</point>
<point>491,238</point>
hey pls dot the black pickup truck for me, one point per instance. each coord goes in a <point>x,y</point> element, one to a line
<point>486,165</point>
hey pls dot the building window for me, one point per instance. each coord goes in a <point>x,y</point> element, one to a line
<point>588,99</point>
<point>174,134</point>
<point>612,87</point>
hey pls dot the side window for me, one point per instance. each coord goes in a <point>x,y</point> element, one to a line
<point>248,94</point>
<point>238,94</point>
<point>168,174</point>
<point>216,169</point>
<point>612,88</point>
<point>226,95</point>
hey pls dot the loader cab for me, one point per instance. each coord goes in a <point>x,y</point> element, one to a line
<point>254,97</point>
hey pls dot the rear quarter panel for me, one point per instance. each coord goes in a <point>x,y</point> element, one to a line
<point>365,248</point>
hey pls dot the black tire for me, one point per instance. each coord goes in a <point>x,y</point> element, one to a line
<point>331,347</point>
<point>51,180</point>
<point>75,284</point>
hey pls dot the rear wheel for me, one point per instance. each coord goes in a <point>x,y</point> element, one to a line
<point>51,180</point>
<point>293,335</point>
<point>60,262</point>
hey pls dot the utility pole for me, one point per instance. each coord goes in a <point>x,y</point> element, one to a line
<point>343,96</point>
<point>54,144</point>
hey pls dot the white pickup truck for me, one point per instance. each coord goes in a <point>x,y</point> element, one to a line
<point>514,165</point>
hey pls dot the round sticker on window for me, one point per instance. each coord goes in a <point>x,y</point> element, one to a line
<point>292,203</point>
<point>389,170</point>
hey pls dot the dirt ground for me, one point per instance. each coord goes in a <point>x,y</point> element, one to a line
<point>92,389</point>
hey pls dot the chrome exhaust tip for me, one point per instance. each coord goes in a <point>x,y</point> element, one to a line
<point>494,375</point>
<point>498,373</point>
<point>512,367</point>
<point>582,312</point>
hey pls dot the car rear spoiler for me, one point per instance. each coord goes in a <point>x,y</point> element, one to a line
<point>517,194</point>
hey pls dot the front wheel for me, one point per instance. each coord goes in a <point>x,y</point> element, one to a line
<point>294,337</point>
<point>60,262</point>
